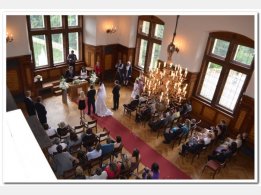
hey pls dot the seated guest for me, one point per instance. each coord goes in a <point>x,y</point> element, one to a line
<point>186,108</point>
<point>69,74</point>
<point>79,173</point>
<point>152,173</point>
<point>81,156</point>
<point>117,144</point>
<point>135,159</point>
<point>99,174</point>
<point>170,134</point>
<point>108,147</point>
<point>56,141</point>
<point>193,145</point>
<point>73,139</point>
<point>63,129</point>
<point>113,170</point>
<point>144,114</point>
<point>133,104</point>
<point>51,132</point>
<point>63,160</point>
<point>228,141</point>
<point>89,139</point>
<point>83,74</point>
<point>96,153</point>
<point>154,125</point>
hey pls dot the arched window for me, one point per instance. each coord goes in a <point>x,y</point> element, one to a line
<point>53,37</point>
<point>148,43</point>
<point>227,66</point>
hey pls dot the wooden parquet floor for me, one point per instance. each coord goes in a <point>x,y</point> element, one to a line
<point>240,167</point>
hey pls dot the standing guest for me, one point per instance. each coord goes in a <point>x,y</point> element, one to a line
<point>71,58</point>
<point>136,89</point>
<point>82,104</point>
<point>128,72</point>
<point>41,111</point>
<point>98,70</point>
<point>119,68</point>
<point>116,95</point>
<point>29,104</point>
<point>84,73</point>
<point>91,99</point>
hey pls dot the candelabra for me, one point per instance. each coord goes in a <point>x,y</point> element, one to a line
<point>167,83</point>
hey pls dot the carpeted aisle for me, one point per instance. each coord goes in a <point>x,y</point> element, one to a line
<point>148,154</point>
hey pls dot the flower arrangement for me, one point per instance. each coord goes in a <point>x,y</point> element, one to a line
<point>63,85</point>
<point>38,78</point>
<point>93,77</point>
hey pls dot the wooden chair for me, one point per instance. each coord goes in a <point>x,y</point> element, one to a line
<point>103,136</point>
<point>91,163</point>
<point>92,124</point>
<point>75,148</point>
<point>106,157</point>
<point>214,166</point>
<point>117,151</point>
<point>128,110</point>
<point>69,174</point>
<point>79,129</point>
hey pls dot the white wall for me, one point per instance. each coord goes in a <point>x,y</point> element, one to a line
<point>89,30</point>
<point>17,26</point>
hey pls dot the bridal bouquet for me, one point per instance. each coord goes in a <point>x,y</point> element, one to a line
<point>63,85</point>
<point>93,78</point>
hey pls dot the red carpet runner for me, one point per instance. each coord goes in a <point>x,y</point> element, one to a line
<point>148,155</point>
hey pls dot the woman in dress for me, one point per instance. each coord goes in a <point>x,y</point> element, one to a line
<point>100,105</point>
<point>136,89</point>
<point>82,104</point>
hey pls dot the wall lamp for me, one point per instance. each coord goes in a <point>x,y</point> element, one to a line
<point>9,37</point>
<point>111,30</point>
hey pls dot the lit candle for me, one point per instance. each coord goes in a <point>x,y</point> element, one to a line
<point>168,101</point>
<point>160,98</point>
<point>165,64</point>
<point>186,72</point>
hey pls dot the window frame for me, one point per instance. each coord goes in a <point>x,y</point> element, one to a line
<point>227,64</point>
<point>153,20</point>
<point>48,31</point>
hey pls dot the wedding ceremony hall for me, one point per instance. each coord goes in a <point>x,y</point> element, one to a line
<point>130,98</point>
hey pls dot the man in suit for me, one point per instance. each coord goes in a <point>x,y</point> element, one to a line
<point>71,58</point>
<point>41,111</point>
<point>69,74</point>
<point>29,104</point>
<point>116,95</point>
<point>91,99</point>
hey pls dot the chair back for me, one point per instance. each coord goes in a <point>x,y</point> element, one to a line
<point>75,148</point>
<point>92,124</point>
<point>79,129</point>
<point>69,174</point>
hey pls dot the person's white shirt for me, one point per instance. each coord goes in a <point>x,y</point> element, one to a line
<point>207,140</point>
<point>103,175</point>
<point>84,75</point>
<point>93,154</point>
<point>52,149</point>
<point>51,131</point>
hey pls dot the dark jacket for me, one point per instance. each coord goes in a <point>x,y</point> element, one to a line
<point>91,95</point>
<point>30,106</point>
<point>41,112</point>
<point>69,76</point>
<point>116,91</point>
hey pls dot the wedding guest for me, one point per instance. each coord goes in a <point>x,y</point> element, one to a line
<point>99,174</point>
<point>98,70</point>
<point>53,149</point>
<point>41,111</point>
<point>91,99</point>
<point>133,104</point>
<point>84,73</point>
<point>96,153</point>
<point>69,74</point>
<point>116,95</point>
<point>119,68</point>
<point>152,173</point>
<point>51,132</point>
<point>82,104</point>
<point>29,104</point>
<point>136,89</point>
<point>63,129</point>
<point>89,139</point>
<point>128,72</point>
<point>73,140</point>
<point>79,173</point>
<point>113,170</point>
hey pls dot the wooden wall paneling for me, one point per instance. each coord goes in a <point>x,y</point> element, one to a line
<point>108,62</point>
<point>13,81</point>
<point>220,117</point>
<point>208,113</point>
<point>55,73</point>
<point>251,137</point>
<point>197,107</point>
<point>131,55</point>
<point>191,80</point>
<point>240,120</point>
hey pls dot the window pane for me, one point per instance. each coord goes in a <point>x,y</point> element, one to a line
<point>145,27</point>
<point>73,20</point>
<point>244,55</point>
<point>232,89</point>
<point>74,43</point>
<point>159,30</point>
<point>56,21</point>
<point>210,80</point>
<point>142,52</point>
<point>155,55</point>
<point>220,48</point>
<point>57,45</point>
<point>37,21</point>
<point>40,52</point>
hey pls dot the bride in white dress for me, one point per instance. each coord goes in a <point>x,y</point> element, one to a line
<point>100,105</point>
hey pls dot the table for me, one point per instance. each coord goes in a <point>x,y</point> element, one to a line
<point>74,90</point>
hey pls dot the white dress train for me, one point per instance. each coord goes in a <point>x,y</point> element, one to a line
<point>100,105</point>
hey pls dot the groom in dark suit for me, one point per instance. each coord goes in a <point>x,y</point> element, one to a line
<point>116,95</point>
<point>29,104</point>
<point>91,99</point>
